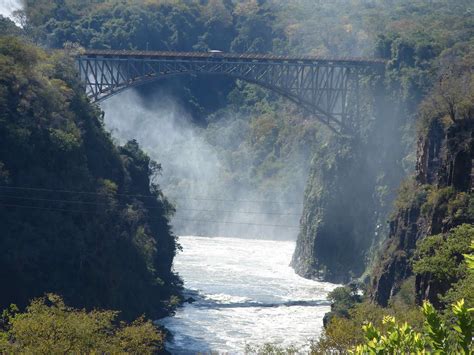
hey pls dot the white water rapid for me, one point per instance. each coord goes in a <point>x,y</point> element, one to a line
<point>245,294</point>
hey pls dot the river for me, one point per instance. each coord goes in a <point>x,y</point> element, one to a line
<point>245,293</point>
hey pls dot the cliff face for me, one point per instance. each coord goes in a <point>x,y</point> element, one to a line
<point>338,214</point>
<point>437,200</point>
<point>351,186</point>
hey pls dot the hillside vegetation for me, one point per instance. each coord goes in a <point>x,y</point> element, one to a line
<point>48,326</point>
<point>78,214</point>
<point>264,147</point>
<point>421,257</point>
<point>97,232</point>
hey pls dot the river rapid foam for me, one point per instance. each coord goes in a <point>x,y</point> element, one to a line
<point>245,293</point>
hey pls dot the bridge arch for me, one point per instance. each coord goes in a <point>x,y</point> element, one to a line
<point>327,88</point>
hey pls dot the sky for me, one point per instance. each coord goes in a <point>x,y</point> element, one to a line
<point>8,6</point>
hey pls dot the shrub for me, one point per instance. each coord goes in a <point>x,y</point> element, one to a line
<point>437,336</point>
<point>48,326</point>
<point>441,256</point>
<point>339,335</point>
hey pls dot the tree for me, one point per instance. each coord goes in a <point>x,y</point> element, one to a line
<point>48,326</point>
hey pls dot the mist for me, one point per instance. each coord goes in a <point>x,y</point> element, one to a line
<point>213,191</point>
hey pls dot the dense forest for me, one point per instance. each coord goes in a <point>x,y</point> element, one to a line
<point>79,216</point>
<point>388,209</point>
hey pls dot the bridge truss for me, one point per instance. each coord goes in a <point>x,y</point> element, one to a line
<point>327,88</point>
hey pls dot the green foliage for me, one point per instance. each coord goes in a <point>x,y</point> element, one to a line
<point>455,205</point>
<point>421,43</point>
<point>437,199</point>
<point>339,335</point>
<point>437,336</point>
<point>8,27</point>
<point>255,28</point>
<point>463,288</point>
<point>343,299</point>
<point>463,327</point>
<point>406,295</point>
<point>470,257</point>
<point>441,256</point>
<point>398,338</point>
<point>435,328</point>
<point>48,326</point>
<point>87,233</point>
<point>343,333</point>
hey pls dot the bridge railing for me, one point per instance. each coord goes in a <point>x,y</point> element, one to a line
<point>326,87</point>
<point>354,61</point>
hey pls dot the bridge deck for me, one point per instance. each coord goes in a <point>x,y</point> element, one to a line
<point>344,61</point>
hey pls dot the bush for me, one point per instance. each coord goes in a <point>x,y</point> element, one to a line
<point>437,337</point>
<point>441,257</point>
<point>339,335</point>
<point>48,326</point>
<point>343,299</point>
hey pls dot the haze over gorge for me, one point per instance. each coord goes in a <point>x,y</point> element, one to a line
<point>200,176</point>
<point>236,176</point>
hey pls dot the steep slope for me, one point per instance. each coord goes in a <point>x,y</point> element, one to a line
<point>78,215</point>
<point>416,40</point>
<point>439,195</point>
<point>339,214</point>
<point>437,200</point>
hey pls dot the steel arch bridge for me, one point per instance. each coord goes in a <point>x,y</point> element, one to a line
<point>327,88</point>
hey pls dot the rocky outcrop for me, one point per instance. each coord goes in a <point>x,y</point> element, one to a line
<point>338,216</point>
<point>433,204</point>
<point>351,186</point>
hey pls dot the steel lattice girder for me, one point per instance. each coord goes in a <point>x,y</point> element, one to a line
<point>326,88</point>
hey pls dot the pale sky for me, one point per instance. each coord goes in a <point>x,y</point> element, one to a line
<point>8,6</point>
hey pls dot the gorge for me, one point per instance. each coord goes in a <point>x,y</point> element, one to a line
<point>187,198</point>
